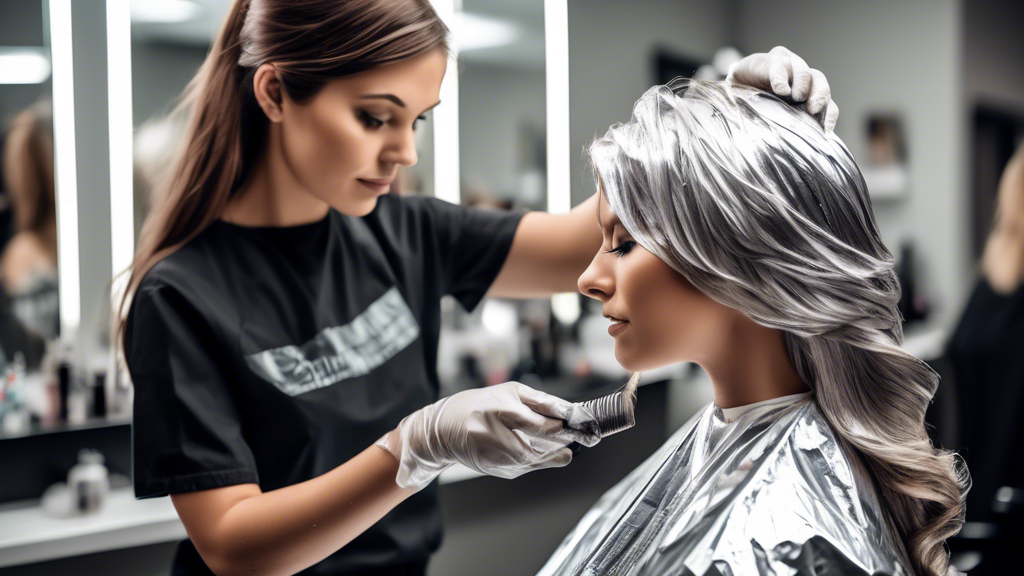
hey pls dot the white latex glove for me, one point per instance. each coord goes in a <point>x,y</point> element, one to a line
<point>505,430</point>
<point>787,75</point>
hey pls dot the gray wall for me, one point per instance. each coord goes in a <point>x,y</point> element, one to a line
<point>160,71</point>
<point>993,42</point>
<point>610,47</point>
<point>902,57</point>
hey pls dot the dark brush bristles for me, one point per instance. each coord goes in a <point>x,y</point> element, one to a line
<point>614,412</point>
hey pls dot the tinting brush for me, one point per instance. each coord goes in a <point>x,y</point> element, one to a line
<point>605,415</point>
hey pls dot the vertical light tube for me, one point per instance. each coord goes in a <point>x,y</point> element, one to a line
<point>65,176</point>
<point>556,67</point>
<point>566,307</point>
<point>446,118</point>
<point>119,113</point>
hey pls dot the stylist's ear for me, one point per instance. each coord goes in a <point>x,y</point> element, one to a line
<point>269,93</point>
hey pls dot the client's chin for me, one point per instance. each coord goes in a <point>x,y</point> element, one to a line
<point>635,358</point>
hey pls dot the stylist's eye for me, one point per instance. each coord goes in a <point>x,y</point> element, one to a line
<point>623,248</point>
<point>416,122</point>
<point>369,120</point>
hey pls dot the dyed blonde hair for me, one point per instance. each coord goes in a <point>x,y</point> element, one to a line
<point>762,210</point>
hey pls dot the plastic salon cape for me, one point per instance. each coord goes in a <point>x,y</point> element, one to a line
<point>765,492</point>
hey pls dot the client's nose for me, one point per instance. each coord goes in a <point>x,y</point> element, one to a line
<point>596,281</point>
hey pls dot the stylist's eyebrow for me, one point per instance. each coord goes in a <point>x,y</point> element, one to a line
<point>392,98</point>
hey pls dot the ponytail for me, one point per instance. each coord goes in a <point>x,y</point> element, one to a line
<point>208,167</point>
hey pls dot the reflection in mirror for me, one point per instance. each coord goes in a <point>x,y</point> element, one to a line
<point>28,219</point>
<point>169,41</point>
<point>502,129</point>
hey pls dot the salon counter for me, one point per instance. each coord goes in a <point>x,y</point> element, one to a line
<point>28,535</point>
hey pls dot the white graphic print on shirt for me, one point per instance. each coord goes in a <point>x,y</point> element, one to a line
<point>338,353</point>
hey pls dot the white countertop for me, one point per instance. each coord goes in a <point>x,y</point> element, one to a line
<point>28,535</point>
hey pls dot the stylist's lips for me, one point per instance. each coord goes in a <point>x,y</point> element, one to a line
<point>379,185</point>
<point>618,324</point>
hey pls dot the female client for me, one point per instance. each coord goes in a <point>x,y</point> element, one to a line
<point>738,234</point>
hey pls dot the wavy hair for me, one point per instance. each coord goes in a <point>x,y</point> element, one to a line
<point>763,211</point>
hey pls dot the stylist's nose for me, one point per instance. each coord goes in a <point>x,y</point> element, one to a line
<point>596,281</point>
<point>401,150</point>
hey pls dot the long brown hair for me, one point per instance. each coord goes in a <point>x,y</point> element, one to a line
<point>309,42</point>
<point>28,175</point>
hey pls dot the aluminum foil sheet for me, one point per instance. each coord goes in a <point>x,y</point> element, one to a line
<point>770,493</point>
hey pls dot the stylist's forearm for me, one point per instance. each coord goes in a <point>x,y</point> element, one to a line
<point>549,253</point>
<point>289,529</point>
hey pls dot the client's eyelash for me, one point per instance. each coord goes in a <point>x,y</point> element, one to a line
<point>373,122</point>
<point>370,120</point>
<point>623,248</point>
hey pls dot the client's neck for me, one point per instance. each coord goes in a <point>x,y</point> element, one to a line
<point>753,366</point>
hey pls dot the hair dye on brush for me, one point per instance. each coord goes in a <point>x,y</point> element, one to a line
<point>606,415</point>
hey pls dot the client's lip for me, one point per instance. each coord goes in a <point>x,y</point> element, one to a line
<point>378,185</point>
<point>618,324</point>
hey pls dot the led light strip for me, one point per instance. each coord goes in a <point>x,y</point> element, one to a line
<point>566,307</point>
<point>66,178</point>
<point>119,113</point>
<point>446,119</point>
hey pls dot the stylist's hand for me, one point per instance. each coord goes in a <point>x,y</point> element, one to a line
<point>505,430</point>
<point>787,75</point>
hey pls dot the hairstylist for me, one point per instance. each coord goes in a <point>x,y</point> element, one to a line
<point>284,311</point>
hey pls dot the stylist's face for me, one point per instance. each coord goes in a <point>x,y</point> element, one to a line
<point>345,145</point>
<point>664,319</point>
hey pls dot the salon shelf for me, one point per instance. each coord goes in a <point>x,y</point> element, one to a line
<point>92,423</point>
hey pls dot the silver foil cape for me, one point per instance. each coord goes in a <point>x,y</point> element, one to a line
<point>771,493</point>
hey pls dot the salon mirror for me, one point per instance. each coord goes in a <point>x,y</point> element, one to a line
<point>29,300</point>
<point>502,119</point>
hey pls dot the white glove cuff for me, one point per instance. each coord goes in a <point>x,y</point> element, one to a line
<point>412,443</point>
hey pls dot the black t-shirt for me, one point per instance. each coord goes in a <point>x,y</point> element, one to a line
<point>273,355</point>
<point>988,370</point>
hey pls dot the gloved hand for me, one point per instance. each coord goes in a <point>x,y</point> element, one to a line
<point>505,430</point>
<point>787,75</point>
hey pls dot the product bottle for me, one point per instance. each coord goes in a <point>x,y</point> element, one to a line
<point>88,482</point>
<point>99,396</point>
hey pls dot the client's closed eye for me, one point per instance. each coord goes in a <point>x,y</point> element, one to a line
<point>622,248</point>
